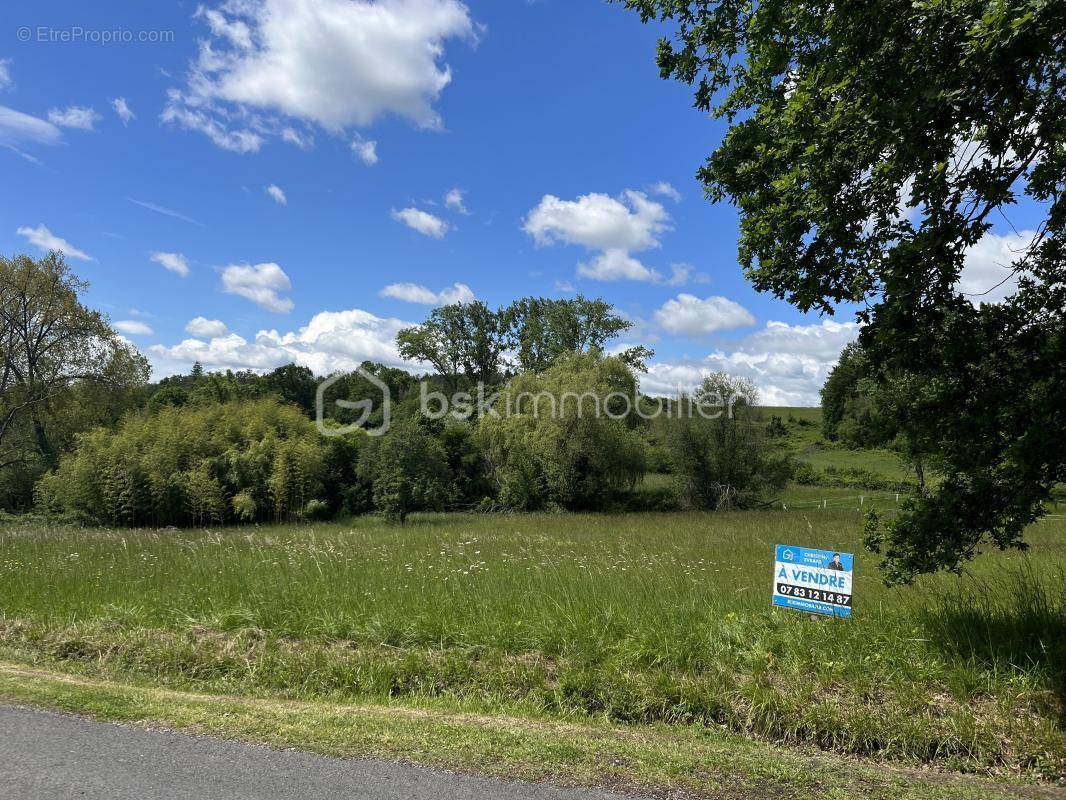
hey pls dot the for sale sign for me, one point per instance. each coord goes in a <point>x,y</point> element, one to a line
<point>815,581</point>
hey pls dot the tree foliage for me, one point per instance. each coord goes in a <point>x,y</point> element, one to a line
<point>465,339</point>
<point>63,367</point>
<point>195,465</point>
<point>870,146</point>
<point>721,459</point>
<point>542,329</point>
<point>566,437</point>
<point>407,470</point>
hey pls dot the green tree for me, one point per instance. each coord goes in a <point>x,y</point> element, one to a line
<point>721,459</point>
<point>407,469</point>
<point>293,384</point>
<point>541,329</point>
<point>566,437</point>
<point>460,339</point>
<point>63,367</point>
<point>870,145</point>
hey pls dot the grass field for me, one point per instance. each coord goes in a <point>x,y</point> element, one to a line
<point>650,620</point>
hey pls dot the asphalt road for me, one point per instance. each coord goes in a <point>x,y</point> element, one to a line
<point>47,756</point>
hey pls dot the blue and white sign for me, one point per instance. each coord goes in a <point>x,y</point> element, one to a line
<point>815,581</point>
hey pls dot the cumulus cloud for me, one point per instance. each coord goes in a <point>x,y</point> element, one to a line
<point>989,274</point>
<point>331,63</point>
<point>613,226</point>
<point>331,341</point>
<point>261,283</point>
<point>416,293</point>
<point>17,129</point>
<point>123,110</point>
<point>421,221</point>
<point>133,327</point>
<point>43,239</point>
<point>204,328</point>
<point>81,117</point>
<point>454,201</point>
<point>616,265</point>
<point>366,150</point>
<point>689,315</point>
<point>666,190</point>
<point>789,363</point>
<point>277,194</point>
<point>175,262</point>
<point>598,221</point>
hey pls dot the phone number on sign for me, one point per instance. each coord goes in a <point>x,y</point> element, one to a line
<point>820,595</point>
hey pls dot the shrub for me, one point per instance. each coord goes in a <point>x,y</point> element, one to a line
<point>407,470</point>
<point>202,464</point>
<point>721,458</point>
<point>564,438</point>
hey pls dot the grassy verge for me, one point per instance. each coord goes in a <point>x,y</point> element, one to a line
<point>673,762</point>
<point>650,619</point>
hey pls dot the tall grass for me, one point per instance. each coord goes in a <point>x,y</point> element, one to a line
<point>637,618</point>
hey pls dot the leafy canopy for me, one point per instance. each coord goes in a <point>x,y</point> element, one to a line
<point>870,145</point>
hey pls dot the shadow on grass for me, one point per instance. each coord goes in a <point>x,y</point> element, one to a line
<point>1014,622</point>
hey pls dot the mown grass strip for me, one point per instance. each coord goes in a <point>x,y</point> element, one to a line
<point>657,760</point>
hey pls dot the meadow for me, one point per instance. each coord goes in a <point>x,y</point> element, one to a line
<point>660,619</point>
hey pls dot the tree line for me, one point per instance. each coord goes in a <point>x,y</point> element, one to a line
<point>97,443</point>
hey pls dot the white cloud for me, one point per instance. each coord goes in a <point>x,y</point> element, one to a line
<point>366,150</point>
<point>277,194</point>
<point>5,74</point>
<point>822,341</point>
<point>598,221</point>
<point>80,117</point>
<point>260,283</point>
<point>45,240</point>
<point>614,226</point>
<point>616,265</point>
<point>332,63</point>
<point>300,139</point>
<point>565,286</point>
<point>688,314</point>
<point>454,201</point>
<point>17,128</point>
<point>164,211</point>
<point>666,190</point>
<point>416,293</point>
<point>331,341</point>
<point>789,363</point>
<point>175,262</point>
<point>133,327</point>
<point>204,328</point>
<point>422,221</point>
<point>123,110</point>
<point>988,274</point>
<point>190,118</point>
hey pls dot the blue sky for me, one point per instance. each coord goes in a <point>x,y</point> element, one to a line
<point>264,181</point>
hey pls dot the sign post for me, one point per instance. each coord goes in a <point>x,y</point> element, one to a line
<point>815,581</point>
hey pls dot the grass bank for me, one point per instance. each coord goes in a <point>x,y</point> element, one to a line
<point>663,761</point>
<point>654,620</point>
